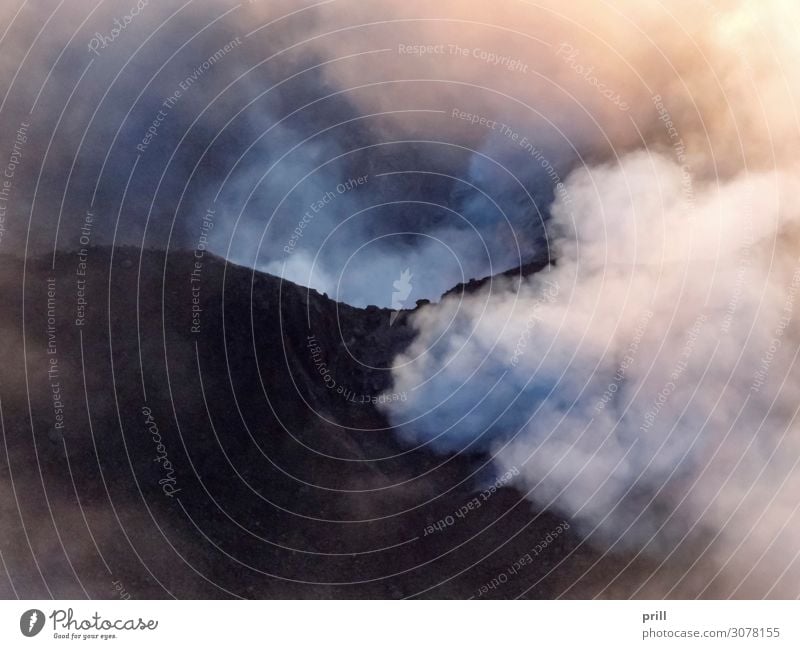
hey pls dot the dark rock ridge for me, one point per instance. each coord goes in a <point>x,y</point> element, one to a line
<point>270,480</point>
<point>529,268</point>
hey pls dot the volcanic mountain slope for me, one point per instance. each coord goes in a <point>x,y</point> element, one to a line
<point>220,438</point>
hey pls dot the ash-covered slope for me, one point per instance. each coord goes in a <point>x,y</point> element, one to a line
<point>176,426</point>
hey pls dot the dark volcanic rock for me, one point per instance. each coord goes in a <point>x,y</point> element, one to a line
<point>204,453</point>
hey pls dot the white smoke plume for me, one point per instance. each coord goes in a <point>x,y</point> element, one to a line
<point>646,385</point>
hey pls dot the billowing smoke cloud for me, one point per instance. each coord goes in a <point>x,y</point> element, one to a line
<point>531,92</point>
<point>152,115</point>
<point>582,80</point>
<point>462,117</point>
<point>646,384</point>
